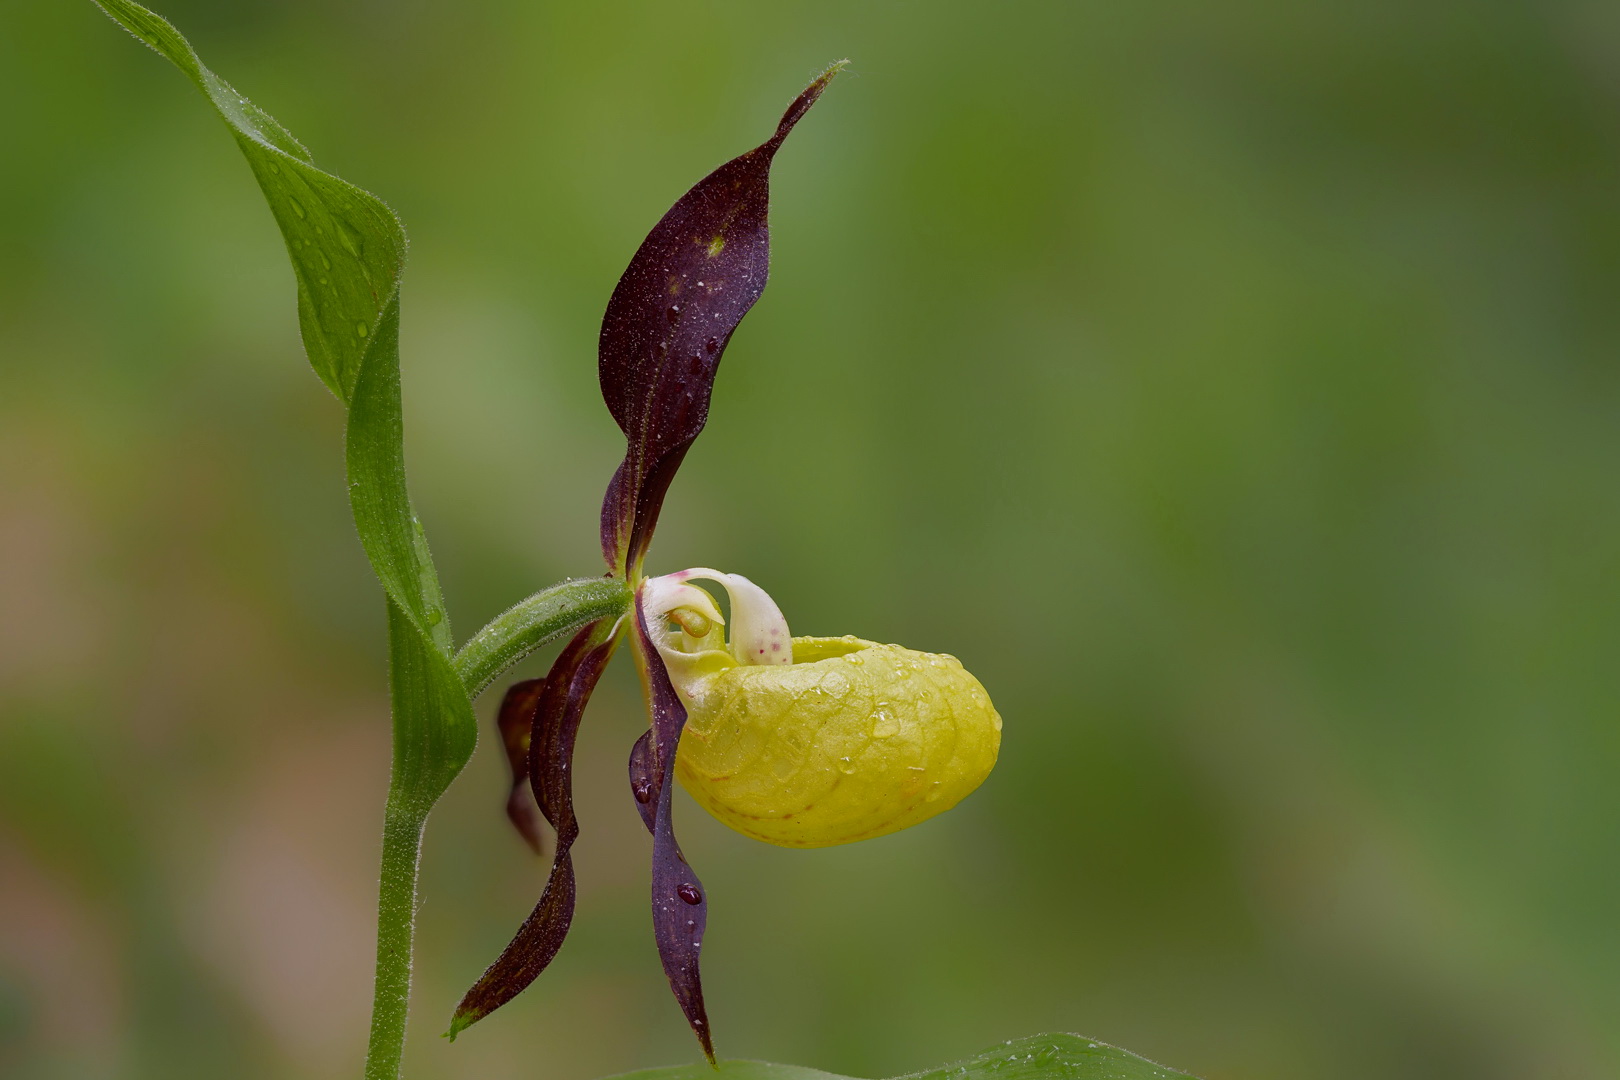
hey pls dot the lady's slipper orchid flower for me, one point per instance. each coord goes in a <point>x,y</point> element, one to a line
<point>803,742</point>
<point>809,742</point>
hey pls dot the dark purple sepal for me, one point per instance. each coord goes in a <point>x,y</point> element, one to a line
<point>690,283</point>
<point>680,907</point>
<point>515,722</point>
<point>558,708</point>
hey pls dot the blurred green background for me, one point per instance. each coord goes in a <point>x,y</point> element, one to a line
<point>1233,387</point>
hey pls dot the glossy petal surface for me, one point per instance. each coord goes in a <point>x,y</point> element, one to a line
<point>852,740</point>
<point>667,324</point>
<point>680,906</point>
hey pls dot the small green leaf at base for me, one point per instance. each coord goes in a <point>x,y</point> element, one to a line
<point>1039,1057</point>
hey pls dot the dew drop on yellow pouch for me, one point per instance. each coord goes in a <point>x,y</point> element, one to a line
<point>810,742</point>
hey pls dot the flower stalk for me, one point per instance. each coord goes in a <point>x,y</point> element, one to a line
<point>403,827</point>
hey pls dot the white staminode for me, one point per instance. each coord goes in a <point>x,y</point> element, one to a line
<point>759,632</point>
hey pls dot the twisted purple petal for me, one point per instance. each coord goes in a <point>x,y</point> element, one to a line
<point>560,704</point>
<point>680,908</point>
<point>515,721</point>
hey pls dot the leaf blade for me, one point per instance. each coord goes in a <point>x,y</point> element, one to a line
<point>347,250</point>
<point>1039,1057</point>
<point>346,246</point>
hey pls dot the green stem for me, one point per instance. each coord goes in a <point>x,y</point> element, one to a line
<point>524,627</point>
<point>396,916</point>
<point>423,769</point>
<point>424,693</point>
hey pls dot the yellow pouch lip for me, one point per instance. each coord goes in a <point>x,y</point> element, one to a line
<point>809,650</point>
<point>835,777</point>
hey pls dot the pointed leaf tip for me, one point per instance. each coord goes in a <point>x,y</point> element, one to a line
<point>668,322</point>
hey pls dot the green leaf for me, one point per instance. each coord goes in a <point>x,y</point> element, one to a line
<point>347,247</point>
<point>1039,1057</point>
<point>347,250</point>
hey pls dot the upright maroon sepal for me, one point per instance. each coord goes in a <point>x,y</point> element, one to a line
<point>667,324</point>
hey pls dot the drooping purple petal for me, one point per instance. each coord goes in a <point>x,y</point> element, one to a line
<point>680,907</point>
<point>516,723</point>
<point>644,779</point>
<point>561,702</point>
<point>690,283</point>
